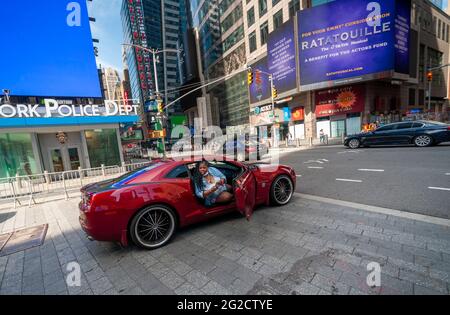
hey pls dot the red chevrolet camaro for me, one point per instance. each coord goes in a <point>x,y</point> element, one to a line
<point>148,205</point>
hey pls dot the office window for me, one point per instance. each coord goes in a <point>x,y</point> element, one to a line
<point>264,32</point>
<point>448,32</point>
<point>252,41</point>
<point>262,7</point>
<point>278,19</point>
<point>251,16</point>
<point>274,2</point>
<point>294,6</point>
<point>439,29</point>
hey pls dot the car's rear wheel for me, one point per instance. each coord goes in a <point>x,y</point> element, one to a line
<point>354,144</point>
<point>153,227</point>
<point>281,191</point>
<point>423,141</point>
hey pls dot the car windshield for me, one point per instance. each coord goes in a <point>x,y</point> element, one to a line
<point>119,181</point>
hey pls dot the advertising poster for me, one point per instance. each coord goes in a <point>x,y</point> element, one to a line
<point>348,41</point>
<point>281,60</point>
<point>298,113</point>
<point>48,49</point>
<point>340,100</point>
<point>260,88</point>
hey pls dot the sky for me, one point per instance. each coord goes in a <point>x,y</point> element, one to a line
<point>107,29</point>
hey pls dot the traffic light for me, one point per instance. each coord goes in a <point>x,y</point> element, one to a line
<point>160,106</point>
<point>430,76</point>
<point>249,77</point>
<point>274,92</point>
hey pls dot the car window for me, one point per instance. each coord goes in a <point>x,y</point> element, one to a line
<point>180,171</point>
<point>417,125</point>
<point>133,175</point>
<point>386,128</point>
<point>406,125</point>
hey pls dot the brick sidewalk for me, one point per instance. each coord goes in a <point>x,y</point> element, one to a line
<point>307,247</point>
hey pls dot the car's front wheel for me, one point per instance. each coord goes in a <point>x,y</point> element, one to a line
<point>423,141</point>
<point>354,144</point>
<point>281,191</point>
<point>153,227</point>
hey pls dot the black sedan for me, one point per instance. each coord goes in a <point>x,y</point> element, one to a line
<point>420,133</point>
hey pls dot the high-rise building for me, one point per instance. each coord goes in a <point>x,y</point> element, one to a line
<point>112,85</point>
<point>153,24</point>
<point>302,111</point>
<point>220,47</point>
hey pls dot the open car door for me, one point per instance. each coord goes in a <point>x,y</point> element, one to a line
<point>245,193</point>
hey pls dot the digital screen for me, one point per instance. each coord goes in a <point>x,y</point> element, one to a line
<point>47,49</point>
<point>348,41</point>
<point>281,58</point>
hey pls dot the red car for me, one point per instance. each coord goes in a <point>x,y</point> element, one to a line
<point>148,205</point>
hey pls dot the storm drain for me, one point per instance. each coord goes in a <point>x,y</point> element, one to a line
<point>20,240</point>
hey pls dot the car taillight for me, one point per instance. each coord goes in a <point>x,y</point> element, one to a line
<point>87,199</point>
<point>448,128</point>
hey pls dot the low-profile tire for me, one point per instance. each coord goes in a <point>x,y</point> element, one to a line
<point>423,141</point>
<point>153,227</point>
<point>281,191</point>
<point>354,144</point>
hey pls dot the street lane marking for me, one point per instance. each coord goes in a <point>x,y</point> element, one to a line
<point>315,167</point>
<point>298,175</point>
<point>375,209</point>
<point>447,173</point>
<point>349,180</point>
<point>369,170</point>
<point>439,188</point>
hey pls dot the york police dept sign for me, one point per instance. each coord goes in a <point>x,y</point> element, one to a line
<point>52,108</point>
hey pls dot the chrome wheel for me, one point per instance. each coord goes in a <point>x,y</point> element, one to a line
<point>423,141</point>
<point>354,144</point>
<point>282,190</point>
<point>153,227</point>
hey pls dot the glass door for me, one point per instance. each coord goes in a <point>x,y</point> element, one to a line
<point>74,158</point>
<point>337,128</point>
<point>57,160</point>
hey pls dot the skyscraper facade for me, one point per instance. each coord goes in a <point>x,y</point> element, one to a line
<point>221,45</point>
<point>153,24</point>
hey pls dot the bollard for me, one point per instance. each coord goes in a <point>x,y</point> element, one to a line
<point>64,185</point>
<point>80,173</point>
<point>103,170</point>
<point>124,168</point>
<point>47,180</point>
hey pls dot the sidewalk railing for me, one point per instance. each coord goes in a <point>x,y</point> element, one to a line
<point>27,187</point>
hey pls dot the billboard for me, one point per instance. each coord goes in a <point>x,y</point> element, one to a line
<point>348,41</point>
<point>340,101</point>
<point>47,49</point>
<point>281,57</point>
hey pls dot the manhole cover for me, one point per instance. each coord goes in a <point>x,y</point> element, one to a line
<point>23,239</point>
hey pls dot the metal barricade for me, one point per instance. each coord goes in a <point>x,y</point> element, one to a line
<point>27,187</point>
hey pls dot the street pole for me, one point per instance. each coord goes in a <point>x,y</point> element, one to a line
<point>430,69</point>
<point>273,106</point>
<point>155,52</point>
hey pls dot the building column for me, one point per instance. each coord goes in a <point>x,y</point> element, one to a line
<point>310,117</point>
<point>37,152</point>
<point>85,151</point>
<point>119,143</point>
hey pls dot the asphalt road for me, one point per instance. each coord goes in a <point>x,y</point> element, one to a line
<point>404,178</point>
